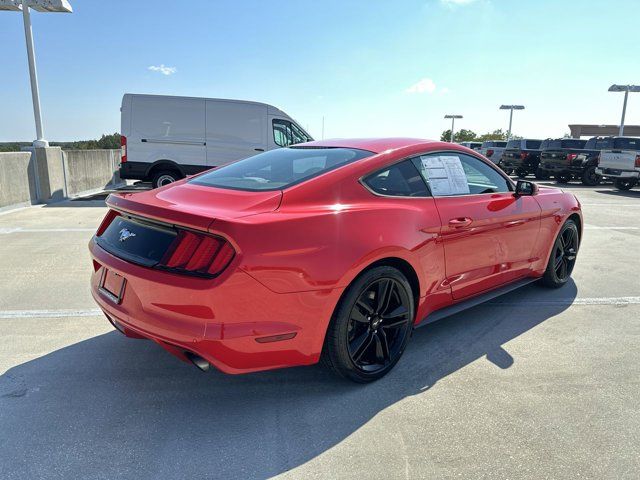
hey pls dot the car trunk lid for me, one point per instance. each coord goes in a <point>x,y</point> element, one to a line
<point>195,206</point>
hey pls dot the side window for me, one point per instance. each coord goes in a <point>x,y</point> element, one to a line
<point>459,174</point>
<point>399,180</point>
<point>627,143</point>
<point>285,133</point>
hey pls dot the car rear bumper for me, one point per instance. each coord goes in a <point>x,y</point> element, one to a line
<point>613,173</point>
<point>561,168</point>
<point>233,321</point>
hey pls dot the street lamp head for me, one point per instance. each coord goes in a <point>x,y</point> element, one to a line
<point>624,88</point>
<point>11,5</point>
<point>60,6</point>
<point>453,116</point>
<point>511,107</point>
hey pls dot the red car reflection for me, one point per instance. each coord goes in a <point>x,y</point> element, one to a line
<point>334,249</point>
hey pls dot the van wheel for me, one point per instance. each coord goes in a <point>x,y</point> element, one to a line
<point>371,326</point>
<point>589,177</point>
<point>624,184</point>
<point>164,177</point>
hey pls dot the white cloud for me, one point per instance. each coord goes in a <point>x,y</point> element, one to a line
<point>163,69</point>
<point>422,86</point>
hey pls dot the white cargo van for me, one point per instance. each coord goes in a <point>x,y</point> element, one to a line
<point>165,138</point>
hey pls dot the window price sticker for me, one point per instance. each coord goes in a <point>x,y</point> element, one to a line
<point>445,174</point>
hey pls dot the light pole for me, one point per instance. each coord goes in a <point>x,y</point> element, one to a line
<point>511,108</point>
<point>626,89</point>
<point>453,123</point>
<point>40,6</point>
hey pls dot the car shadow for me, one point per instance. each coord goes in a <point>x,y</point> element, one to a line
<point>115,407</point>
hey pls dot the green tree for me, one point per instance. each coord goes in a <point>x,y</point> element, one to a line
<point>498,134</point>
<point>462,135</point>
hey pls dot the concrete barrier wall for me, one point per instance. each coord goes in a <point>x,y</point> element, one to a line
<point>17,183</point>
<point>46,175</point>
<point>87,170</point>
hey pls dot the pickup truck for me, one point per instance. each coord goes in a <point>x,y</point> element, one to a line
<point>492,149</point>
<point>472,145</point>
<point>580,165</point>
<point>522,157</point>
<point>621,163</point>
<point>558,155</point>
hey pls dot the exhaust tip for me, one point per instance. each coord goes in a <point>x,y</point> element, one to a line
<point>198,361</point>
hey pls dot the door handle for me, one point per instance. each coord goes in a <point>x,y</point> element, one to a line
<point>460,222</point>
<point>259,149</point>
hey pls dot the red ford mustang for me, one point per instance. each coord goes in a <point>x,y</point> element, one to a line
<point>333,249</point>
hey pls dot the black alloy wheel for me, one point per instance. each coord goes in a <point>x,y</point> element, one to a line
<point>378,325</point>
<point>589,177</point>
<point>624,183</point>
<point>371,326</point>
<point>563,256</point>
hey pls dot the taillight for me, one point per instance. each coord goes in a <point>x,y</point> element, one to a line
<point>198,253</point>
<point>489,152</point>
<point>106,221</point>
<point>123,149</point>
<point>637,162</point>
<point>524,155</point>
<point>571,157</point>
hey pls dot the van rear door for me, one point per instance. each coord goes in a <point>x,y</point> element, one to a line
<point>167,128</point>
<point>235,130</point>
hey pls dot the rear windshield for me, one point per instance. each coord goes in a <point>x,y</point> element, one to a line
<point>573,143</point>
<point>280,168</point>
<point>563,143</point>
<point>596,143</point>
<point>533,144</point>
<point>513,144</point>
<point>627,143</point>
<point>493,143</point>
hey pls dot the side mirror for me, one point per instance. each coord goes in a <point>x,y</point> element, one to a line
<point>525,188</point>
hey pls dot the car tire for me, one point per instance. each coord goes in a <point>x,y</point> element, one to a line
<point>366,338</point>
<point>563,178</point>
<point>563,256</point>
<point>542,174</point>
<point>589,177</point>
<point>165,177</point>
<point>521,173</point>
<point>624,184</point>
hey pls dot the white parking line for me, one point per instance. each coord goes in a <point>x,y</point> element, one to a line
<point>9,230</point>
<point>610,204</point>
<point>8,314</point>
<point>572,301</point>
<point>594,227</point>
<point>95,312</point>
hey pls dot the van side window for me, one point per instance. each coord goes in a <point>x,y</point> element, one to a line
<point>286,133</point>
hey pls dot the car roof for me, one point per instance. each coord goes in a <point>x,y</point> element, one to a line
<point>375,145</point>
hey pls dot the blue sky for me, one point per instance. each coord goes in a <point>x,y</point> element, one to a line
<point>353,62</point>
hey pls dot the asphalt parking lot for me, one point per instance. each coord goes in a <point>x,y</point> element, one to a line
<point>536,384</point>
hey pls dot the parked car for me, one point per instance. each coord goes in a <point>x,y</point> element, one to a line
<point>522,157</point>
<point>621,162</point>
<point>581,165</point>
<point>334,249</point>
<point>558,155</point>
<point>165,138</point>
<point>492,149</point>
<point>472,145</point>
